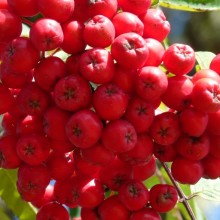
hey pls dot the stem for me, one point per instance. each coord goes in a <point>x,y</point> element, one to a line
<point>54,52</point>
<point>27,22</point>
<point>182,196</point>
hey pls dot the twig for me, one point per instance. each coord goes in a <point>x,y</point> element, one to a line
<point>27,22</point>
<point>182,196</point>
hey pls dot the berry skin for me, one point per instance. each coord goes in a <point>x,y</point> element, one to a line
<point>46,34</point>
<point>136,7</point>
<point>61,166</point>
<point>73,42</point>
<point>140,113</point>
<point>193,122</point>
<point>129,50</point>
<point>55,120</point>
<point>113,208</point>
<point>145,214</point>
<point>32,100</point>
<point>99,32</point>
<point>186,171</point>
<point>48,71</point>
<point>115,174</point>
<point>14,53</point>
<point>72,93</point>
<point>59,10</point>
<point>8,155</point>
<point>133,194</point>
<point>205,95</point>
<point>206,73</point>
<point>52,211</point>
<point>33,149</point>
<point>179,59</point>
<point>6,99</point>
<point>178,93</point>
<point>32,181</point>
<point>111,96</point>
<point>155,23</point>
<point>108,8</point>
<point>141,153</point>
<point>127,22</point>
<point>150,83</point>
<point>165,129</point>
<point>215,64</point>
<point>163,197</point>
<point>119,136</point>
<point>84,128</point>
<point>98,154</point>
<point>97,65</point>
<point>10,25</point>
<point>25,8</point>
<point>156,52</point>
<point>193,148</point>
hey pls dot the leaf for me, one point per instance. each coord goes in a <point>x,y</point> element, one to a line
<point>191,5</point>
<point>204,59</point>
<point>3,215</point>
<point>207,189</point>
<point>11,197</point>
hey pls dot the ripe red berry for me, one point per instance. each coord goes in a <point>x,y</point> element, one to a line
<point>10,25</point>
<point>113,208</point>
<point>150,83</point>
<point>99,32</point>
<point>127,22</point>
<point>97,65</point>
<point>179,59</point>
<point>25,8</point>
<point>33,148</point>
<point>130,50</point>
<point>73,42</point>
<point>121,132</point>
<point>146,213</point>
<point>108,96</point>
<point>84,128</point>
<point>48,71</point>
<point>205,95</point>
<point>14,53</point>
<point>178,93</point>
<point>59,10</point>
<point>165,129</point>
<point>186,171</point>
<point>156,25</point>
<point>8,155</point>
<point>46,34</point>
<point>133,194</point>
<point>52,211</point>
<point>163,197</point>
<point>72,93</point>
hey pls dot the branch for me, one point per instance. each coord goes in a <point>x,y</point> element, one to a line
<point>182,196</point>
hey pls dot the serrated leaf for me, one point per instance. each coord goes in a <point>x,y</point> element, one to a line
<point>207,189</point>
<point>11,197</point>
<point>204,59</point>
<point>191,5</point>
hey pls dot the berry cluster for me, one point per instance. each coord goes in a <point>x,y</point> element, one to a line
<point>93,122</point>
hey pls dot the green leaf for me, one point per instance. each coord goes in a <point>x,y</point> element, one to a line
<point>3,215</point>
<point>207,189</point>
<point>204,59</point>
<point>11,197</point>
<point>191,5</point>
